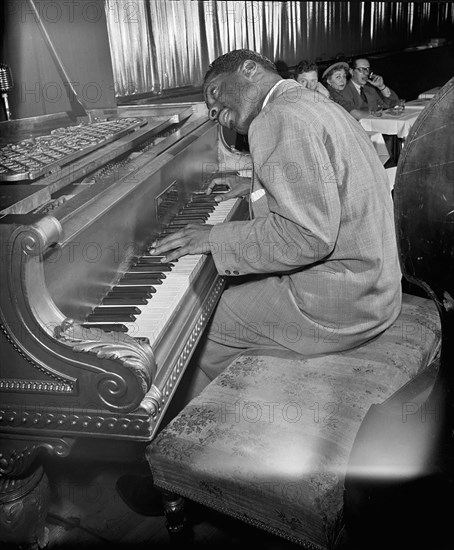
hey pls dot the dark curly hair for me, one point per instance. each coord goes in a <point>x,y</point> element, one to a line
<point>305,66</point>
<point>229,62</point>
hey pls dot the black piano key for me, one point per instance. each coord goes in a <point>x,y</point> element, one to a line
<point>110,318</point>
<point>143,290</point>
<point>114,327</point>
<point>175,226</point>
<point>164,267</point>
<point>140,291</point>
<point>128,309</point>
<point>188,215</point>
<point>127,300</point>
<point>205,213</point>
<point>192,218</point>
<point>149,268</point>
<point>200,198</point>
<point>140,279</point>
<point>156,274</point>
<point>205,199</point>
<point>198,209</point>
<point>186,221</point>
<point>150,259</point>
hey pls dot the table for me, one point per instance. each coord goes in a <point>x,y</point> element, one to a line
<point>428,94</point>
<point>419,103</point>
<point>393,128</point>
<point>392,124</point>
<point>379,145</point>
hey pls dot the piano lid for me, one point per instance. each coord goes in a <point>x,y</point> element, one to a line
<point>33,152</point>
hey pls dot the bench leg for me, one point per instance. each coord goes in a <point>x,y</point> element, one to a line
<point>174,511</point>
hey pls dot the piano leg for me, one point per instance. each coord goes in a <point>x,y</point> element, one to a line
<point>23,509</point>
<point>25,489</point>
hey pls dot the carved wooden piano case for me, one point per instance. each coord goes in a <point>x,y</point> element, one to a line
<point>70,237</point>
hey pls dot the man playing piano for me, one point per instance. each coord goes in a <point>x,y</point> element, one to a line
<point>315,270</point>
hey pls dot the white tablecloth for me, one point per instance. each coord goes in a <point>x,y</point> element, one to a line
<point>429,93</point>
<point>418,103</point>
<point>398,125</point>
<point>380,146</point>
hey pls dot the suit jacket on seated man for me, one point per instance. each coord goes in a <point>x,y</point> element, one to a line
<point>364,92</point>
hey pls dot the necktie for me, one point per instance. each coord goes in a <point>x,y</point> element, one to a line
<point>363,95</point>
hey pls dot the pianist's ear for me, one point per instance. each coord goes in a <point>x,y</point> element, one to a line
<point>249,68</point>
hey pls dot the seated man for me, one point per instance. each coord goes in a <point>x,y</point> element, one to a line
<point>316,269</point>
<point>307,75</point>
<point>364,92</point>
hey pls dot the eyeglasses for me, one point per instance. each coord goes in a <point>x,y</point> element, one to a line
<point>364,70</point>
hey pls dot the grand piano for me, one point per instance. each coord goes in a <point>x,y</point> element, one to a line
<point>95,334</point>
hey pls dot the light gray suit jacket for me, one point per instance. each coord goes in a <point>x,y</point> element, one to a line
<point>324,224</point>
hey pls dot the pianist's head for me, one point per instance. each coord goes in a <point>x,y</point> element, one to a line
<point>235,86</point>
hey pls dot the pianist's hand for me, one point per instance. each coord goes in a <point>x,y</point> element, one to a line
<point>240,186</point>
<point>193,239</point>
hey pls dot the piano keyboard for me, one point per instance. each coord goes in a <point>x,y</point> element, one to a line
<point>145,299</point>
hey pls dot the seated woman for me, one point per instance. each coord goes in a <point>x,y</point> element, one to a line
<point>364,92</point>
<point>307,75</point>
<point>335,79</point>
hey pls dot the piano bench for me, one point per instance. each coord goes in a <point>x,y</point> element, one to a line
<point>269,440</point>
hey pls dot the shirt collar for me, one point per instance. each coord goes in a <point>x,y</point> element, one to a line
<point>357,86</point>
<point>268,95</point>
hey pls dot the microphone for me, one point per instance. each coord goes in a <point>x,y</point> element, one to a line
<point>6,85</point>
<point>6,80</point>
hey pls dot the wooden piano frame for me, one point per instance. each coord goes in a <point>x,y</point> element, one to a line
<point>60,382</point>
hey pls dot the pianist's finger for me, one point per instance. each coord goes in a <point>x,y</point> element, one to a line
<point>238,186</point>
<point>216,184</point>
<point>193,239</point>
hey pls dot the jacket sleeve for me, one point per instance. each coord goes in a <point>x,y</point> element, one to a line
<point>390,101</point>
<point>293,166</point>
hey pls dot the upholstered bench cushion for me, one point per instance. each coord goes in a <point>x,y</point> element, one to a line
<point>269,440</point>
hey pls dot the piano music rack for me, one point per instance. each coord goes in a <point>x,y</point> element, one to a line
<point>31,158</point>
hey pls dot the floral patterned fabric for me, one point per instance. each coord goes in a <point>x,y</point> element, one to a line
<point>268,441</point>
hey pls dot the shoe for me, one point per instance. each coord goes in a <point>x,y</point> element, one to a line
<point>139,493</point>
